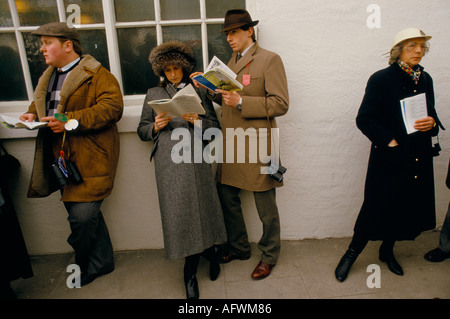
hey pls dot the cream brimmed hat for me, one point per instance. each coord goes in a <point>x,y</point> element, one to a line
<point>410,33</point>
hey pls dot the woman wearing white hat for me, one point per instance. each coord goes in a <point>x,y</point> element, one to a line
<point>399,200</point>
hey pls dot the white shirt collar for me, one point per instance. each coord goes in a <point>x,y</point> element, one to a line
<point>246,50</point>
<point>68,66</point>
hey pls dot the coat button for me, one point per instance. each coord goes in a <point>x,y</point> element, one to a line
<point>417,159</point>
<point>415,91</point>
<point>415,177</point>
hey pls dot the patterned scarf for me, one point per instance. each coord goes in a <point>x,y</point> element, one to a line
<point>415,75</point>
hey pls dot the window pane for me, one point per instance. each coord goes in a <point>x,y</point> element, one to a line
<point>5,14</point>
<point>136,10</point>
<point>217,43</point>
<point>92,41</point>
<point>191,35</point>
<point>217,9</point>
<point>36,61</point>
<point>91,10</point>
<point>37,12</point>
<point>12,83</point>
<point>180,10</point>
<point>135,45</point>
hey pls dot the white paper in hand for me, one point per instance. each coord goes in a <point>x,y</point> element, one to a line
<point>413,108</point>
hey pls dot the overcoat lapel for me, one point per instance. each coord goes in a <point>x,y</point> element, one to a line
<point>40,93</point>
<point>171,91</point>
<point>242,63</point>
<point>74,79</point>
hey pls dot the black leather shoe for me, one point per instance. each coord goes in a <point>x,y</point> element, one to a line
<point>392,263</point>
<point>212,255</point>
<point>436,255</point>
<point>87,278</point>
<point>192,288</point>
<point>214,270</point>
<point>345,264</point>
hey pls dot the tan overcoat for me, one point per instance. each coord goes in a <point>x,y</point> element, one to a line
<point>91,95</point>
<point>267,93</point>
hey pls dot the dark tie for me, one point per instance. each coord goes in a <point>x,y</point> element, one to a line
<point>238,56</point>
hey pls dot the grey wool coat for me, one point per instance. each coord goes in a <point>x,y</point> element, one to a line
<point>191,213</point>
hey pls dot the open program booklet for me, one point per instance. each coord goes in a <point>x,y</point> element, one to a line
<point>14,122</point>
<point>219,76</point>
<point>185,101</point>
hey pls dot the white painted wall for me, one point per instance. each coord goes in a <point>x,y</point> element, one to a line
<point>329,53</point>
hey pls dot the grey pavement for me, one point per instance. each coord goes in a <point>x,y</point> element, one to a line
<point>305,270</point>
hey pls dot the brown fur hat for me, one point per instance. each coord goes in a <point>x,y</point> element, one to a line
<point>172,52</point>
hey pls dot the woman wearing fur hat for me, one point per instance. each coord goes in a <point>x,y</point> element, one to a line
<point>191,214</point>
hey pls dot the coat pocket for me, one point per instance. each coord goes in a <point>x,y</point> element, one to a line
<point>91,157</point>
<point>392,159</point>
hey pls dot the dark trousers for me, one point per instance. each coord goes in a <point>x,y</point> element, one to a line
<point>266,206</point>
<point>90,238</point>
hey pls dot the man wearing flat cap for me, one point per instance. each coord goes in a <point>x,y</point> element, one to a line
<point>82,102</point>
<point>264,97</point>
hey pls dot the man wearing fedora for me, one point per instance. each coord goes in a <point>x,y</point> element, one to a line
<point>264,97</point>
<point>82,102</point>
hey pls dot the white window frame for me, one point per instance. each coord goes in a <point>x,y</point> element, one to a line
<point>110,26</point>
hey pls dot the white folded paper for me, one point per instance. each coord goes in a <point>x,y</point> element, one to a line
<point>413,108</point>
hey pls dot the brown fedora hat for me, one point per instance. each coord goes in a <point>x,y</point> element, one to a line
<point>237,18</point>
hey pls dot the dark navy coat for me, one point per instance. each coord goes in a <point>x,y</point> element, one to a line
<point>399,200</point>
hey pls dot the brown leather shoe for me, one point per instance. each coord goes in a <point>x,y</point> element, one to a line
<point>262,270</point>
<point>226,258</point>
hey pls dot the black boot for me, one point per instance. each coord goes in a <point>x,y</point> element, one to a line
<point>212,255</point>
<point>387,256</point>
<point>345,264</point>
<point>190,279</point>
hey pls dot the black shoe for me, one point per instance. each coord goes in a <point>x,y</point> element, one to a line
<point>214,270</point>
<point>87,278</point>
<point>436,255</point>
<point>190,272</point>
<point>212,255</point>
<point>392,263</point>
<point>192,288</point>
<point>345,264</point>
